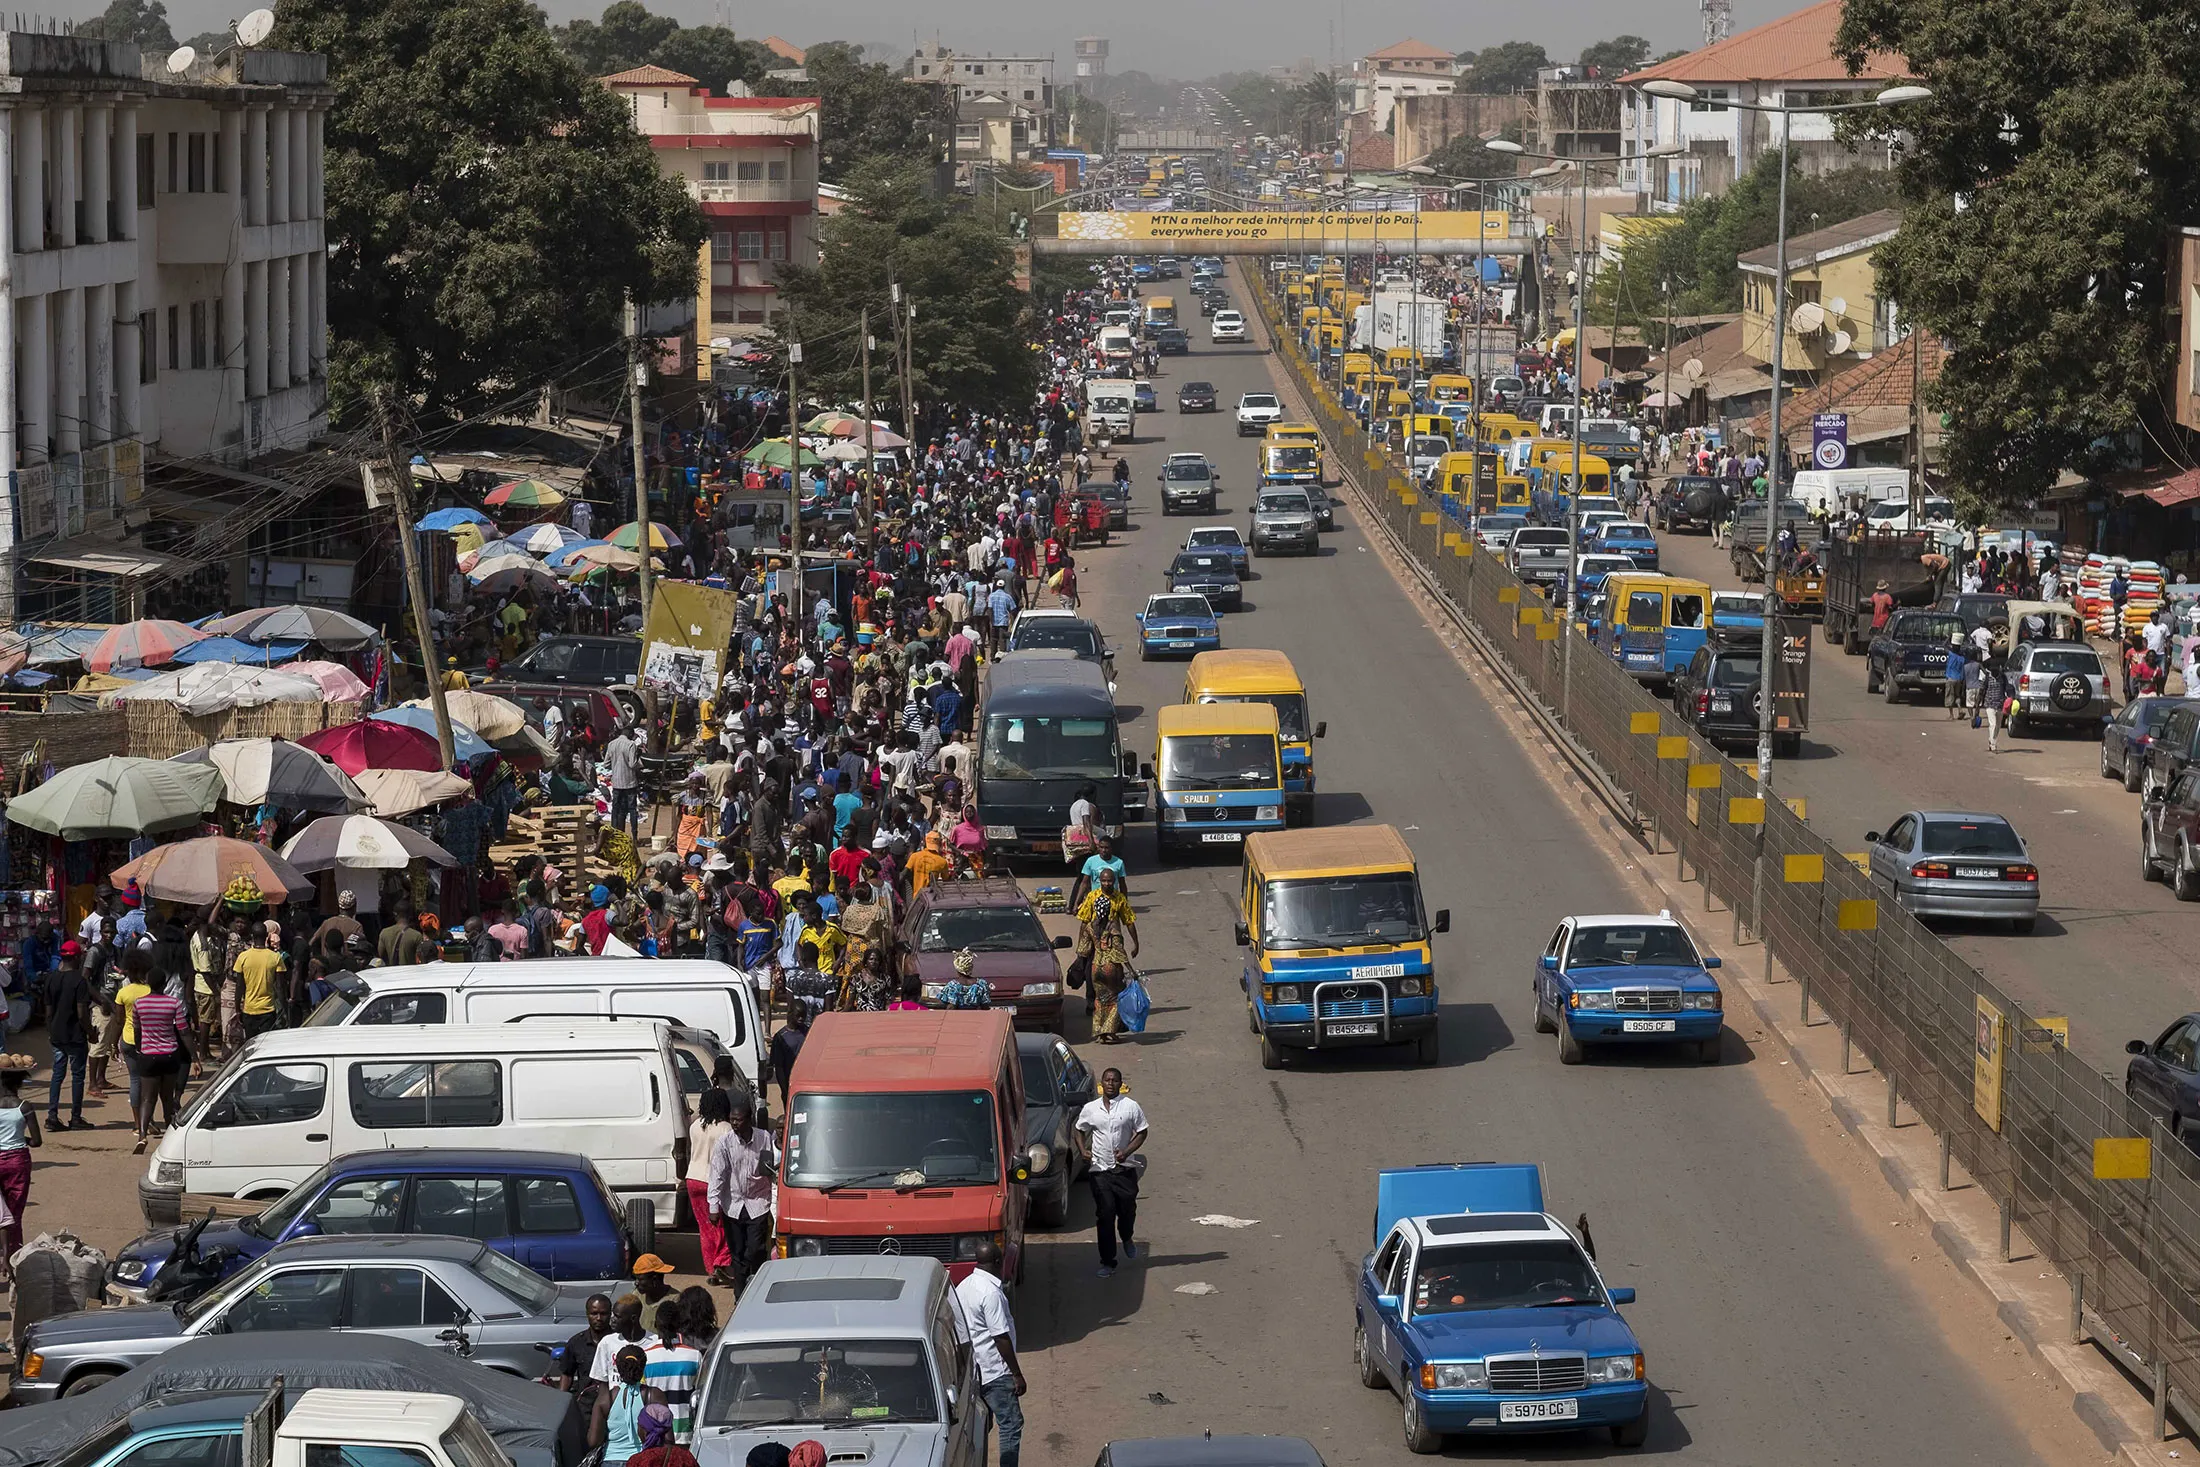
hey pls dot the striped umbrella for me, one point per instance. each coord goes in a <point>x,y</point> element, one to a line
<point>629,536</point>
<point>545,539</point>
<point>134,644</point>
<point>195,872</point>
<point>361,843</point>
<point>523,494</point>
<point>557,559</point>
<point>487,557</point>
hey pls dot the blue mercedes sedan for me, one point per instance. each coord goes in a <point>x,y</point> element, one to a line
<point>1627,979</point>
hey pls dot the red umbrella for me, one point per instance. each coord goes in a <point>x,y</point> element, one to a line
<point>372,744</point>
<point>137,644</point>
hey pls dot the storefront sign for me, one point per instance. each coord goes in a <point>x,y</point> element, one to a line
<point>129,462</point>
<point>34,492</point>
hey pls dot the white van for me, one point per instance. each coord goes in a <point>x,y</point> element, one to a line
<point>1557,420</point>
<point>1117,345</point>
<point>1829,491</point>
<point>1894,514</point>
<point>693,993</point>
<point>291,1099</point>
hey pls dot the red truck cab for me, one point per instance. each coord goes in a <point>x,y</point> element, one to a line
<point>904,1134</point>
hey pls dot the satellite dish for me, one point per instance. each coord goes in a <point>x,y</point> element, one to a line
<point>1838,306</point>
<point>256,27</point>
<point>180,59</point>
<point>1692,369</point>
<point>1841,342</point>
<point>1807,317</point>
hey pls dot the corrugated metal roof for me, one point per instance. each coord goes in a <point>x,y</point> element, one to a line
<point>1794,48</point>
<point>1865,231</point>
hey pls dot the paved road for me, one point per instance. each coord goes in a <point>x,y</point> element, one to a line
<point>2112,952</point>
<point>1776,1328</point>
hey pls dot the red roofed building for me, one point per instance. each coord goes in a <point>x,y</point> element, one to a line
<point>751,162</point>
<point>1789,61</point>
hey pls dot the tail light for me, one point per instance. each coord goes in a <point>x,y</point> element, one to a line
<point>1929,870</point>
<point>2020,873</point>
<point>2024,682</point>
<point>1703,704</point>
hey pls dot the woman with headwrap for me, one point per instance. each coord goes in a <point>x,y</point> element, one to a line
<point>659,1448</point>
<point>930,863</point>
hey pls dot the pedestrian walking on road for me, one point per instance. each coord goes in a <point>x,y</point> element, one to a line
<point>18,1134</point>
<point>1107,935</point>
<point>1110,1131</point>
<point>1952,676</point>
<point>742,1165</point>
<point>989,1328</point>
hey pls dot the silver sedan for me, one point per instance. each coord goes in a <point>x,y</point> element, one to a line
<point>452,1293</point>
<point>1957,863</point>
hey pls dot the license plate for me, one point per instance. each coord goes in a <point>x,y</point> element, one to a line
<point>1180,646</point>
<point>1355,1030</point>
<point>1219,837</point>
<point>1979,873</point>
<point>1646,1026</point>
<point>1566,1410</point>
<point>1381,970</point>
<point>1000,832</point>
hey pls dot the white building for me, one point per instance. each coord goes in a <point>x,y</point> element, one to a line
<point>166,286</point>
<point>1409,69</point>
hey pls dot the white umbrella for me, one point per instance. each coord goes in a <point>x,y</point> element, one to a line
<point>396,792</point>
<point>846,452</point>
<point>543,539</point>
<point>212,687</point>
<point>492,717</point>
<point>361,843</point>
<point>278,772</point>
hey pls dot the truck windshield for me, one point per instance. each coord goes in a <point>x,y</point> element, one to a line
<point>909,1139</point>
<point>1290,711</point>
<point>1219,761</point>
<point>1291,459</point>
<point>1048,748</point>
<point>1528,1274</point>
<point>844,1383</point>
<point>1343,912</point>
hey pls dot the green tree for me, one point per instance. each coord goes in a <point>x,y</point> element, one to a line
<point>1508,67</point>
<point>1314,109</point>
<point>715,56</point>
<point>206,43</point>
<point>1617,56</point>
<point>142,21</point>
<point>1465,157</point>
<point>489,206</point>
<point>626,36</point>
<point>866,109</point>
<point>971,341</point>
<point>2058,155</point>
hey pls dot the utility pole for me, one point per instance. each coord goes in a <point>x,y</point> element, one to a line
<point>635,374</point>
<point>794,454</point>
<point>1666,408</point>
<point>416,576</point>
<point>869,453</point>
<point>1917,427</point>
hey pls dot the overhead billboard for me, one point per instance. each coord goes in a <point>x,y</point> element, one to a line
<point>1130,231</point>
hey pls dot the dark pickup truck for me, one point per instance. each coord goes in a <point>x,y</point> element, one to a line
<point>1911,653</point>
<point>1690,502</point>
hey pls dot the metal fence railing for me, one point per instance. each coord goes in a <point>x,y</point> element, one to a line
<point>2130,1244</point>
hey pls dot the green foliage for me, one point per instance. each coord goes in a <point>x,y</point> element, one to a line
<point>628,35</point>
<point>1314,110</point>
<point>715,56</point>
<point>1697,253</point>
<point>142,21</point>
<point>867,111</point>
<point>1266,103</point>
<point>2070,132</point>
<point>489,206</point>
<point>1618,56</point>
<point>1507,67</point>
<point>1465,157</point>
<point>971,341</point>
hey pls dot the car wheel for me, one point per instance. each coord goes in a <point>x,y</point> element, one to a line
<point>1419,1439</point>
<point>1632,1433</point>
<point>88,1380</point>
<point>2106,772</point>
<point>1542,1024</point>
<point>1707,1050</point>
<point>641,1224</point>
<point>2184,882</point>
<point>1569,1048</point>
<point>2148,871</point>
<point>1871,677</point>
<point>1053,1211</point>
<point>1371,1369</point>
<point>1271,1058</point>
<point>1892,688</point>
<point>1427,1049</point>
<point>2131,774</point>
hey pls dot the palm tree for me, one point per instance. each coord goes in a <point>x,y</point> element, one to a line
<point>1315,109</point>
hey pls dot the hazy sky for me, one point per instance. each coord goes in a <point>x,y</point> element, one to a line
<point>1165,37</point>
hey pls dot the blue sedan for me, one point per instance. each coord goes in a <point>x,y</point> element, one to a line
<point>1626,980</point>
<point>1177,626</point>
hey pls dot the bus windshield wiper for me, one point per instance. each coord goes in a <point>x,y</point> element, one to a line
<point>868,1179</point>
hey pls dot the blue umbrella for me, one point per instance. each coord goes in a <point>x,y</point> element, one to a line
<point>451,519</point>
<point>230,649</point>
<point>558,558</point>
<point>465,743</point>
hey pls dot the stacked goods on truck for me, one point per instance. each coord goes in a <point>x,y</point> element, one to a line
<point>1855,564</point>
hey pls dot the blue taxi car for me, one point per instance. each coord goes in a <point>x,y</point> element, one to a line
<point>1627,979</point>
<point>1487,1316</point>
<point>1177,625</point>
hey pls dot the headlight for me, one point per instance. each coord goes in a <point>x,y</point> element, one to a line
<point>34,1365</point>
<point>1590,999</point>
<point>1701,1000</point>
<point>129,1270</point>
<point>1285,993</point>
<point>1041,990</point>
<point>967,1244</point>
<point>1460,1375</point>
<point>1268,812</point>
<point>1039,1156</point>
<point>805,1247</point>
<point>1172,815</point>
<point>1613,1369</point>
<point>168,1173</point>
<point>1409,987</point>
<point>932,990</point>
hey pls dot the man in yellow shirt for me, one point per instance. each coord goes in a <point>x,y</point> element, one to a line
<point>930,863</point>
<point>454,681</point>
<point>258,966</point>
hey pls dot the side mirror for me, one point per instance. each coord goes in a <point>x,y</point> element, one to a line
<point>2131,1046</point>
<point>1621,1296</point>
<point>1712,962</point>
<point>223,1113</point>
<point>1548,963</point>
<point>1130,765</point>
<point>1145,771</point>
<point>1245,938</point>
<point>1871,837</point>
<point>306,1228</point>
<point>1386,1301</point>
<point>1321,730</point>
<point>1139,617</point>
<point>1443,920</point>
<point>1061,941</point>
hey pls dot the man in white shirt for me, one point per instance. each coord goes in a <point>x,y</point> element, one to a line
<point>743,1163</point>
<point>1110,1131</point>
<point>989,1328</point>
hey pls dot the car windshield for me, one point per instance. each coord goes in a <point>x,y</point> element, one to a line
<point>1162,607</point>
<point>1048,748</point>
<point>275,1220</point>
<point>1200,565</point>
<point>1737,605</point>
<point>2059,660</point>
<point>1291,456</point>
<point>1430,445</point>
<point>1972,838</point>
<point>1219,761</point>
<point>1625,947</point>
<point>96,1446</point>
<point>1214,538</point>
<point>1937,629</point>
<point>2149,713</point>
<point>1195,471</point>
<point>1049,631</point>
<point>1290,711</point>
<point>1529,1273</point>
<point>1344,911</point>
<point>981,929</point>
<point>1038,1079</point>
<point>900,1138</point>
<point>1734,672</point>
<point>844,1383</point>
<point>1258,400</point>
<point>1199,389</point>
<point>1286,503</point>
<point>1502,523</point>
<point>331,1011</point>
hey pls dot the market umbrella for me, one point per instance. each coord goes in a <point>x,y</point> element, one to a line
<point>140,644</point>
<point>495,550</point>
<point>836,424</point>
<point>844,452</point>
<point>216,687</point>
<point>485,713</point>
<point>118,796</point>
<point>502,577</point>
<point>234,649</point>
<point>451,519</point>
<point>629,536</point>
<point>556,559</point>
<point>361,843</point>
<point>602,557</point>
<point>397,792</point>
<point>777,453</point>
<point>881,437</point>
<point>195,872</point>
<point>545,539</point>
<point>277,772</point>
<point>523,494</point>
<point>325,625</point>
<point>466,537</point>
<point>52,646</point>
<point>1662,399</point>
<point>338,683</point>
<point>376,743</point>
<point>466,744</point>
